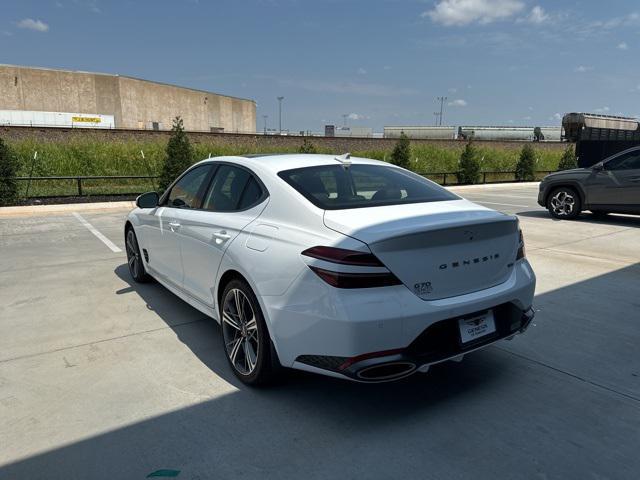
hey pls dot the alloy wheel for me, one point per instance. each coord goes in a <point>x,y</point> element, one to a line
<point>563,203</point>
<point>240,332</point>
<point>133,255</point>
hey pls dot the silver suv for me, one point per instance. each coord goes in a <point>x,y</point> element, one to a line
<point>610,186</point>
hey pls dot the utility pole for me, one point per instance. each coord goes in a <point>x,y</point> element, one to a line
<point>442,100</point>
<point>437,115</point>
<point>344,119</point>
<point>265,123</point>
<point>280,114</point>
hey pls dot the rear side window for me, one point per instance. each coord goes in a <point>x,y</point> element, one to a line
<point>333,187</point>
<point>628,161</point>
<point>232,189</point>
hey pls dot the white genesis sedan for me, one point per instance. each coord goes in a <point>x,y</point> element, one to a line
<point>347,267</point>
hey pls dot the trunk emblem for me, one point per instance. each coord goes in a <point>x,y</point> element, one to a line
<point>469,261</point>
<point>469,234</point>
<point>423,288</point>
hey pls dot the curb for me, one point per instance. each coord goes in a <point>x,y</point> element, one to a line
<point>35,210</point>
<point>496,186</point>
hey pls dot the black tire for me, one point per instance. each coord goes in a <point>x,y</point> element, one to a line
<point>245,332</point>
<point>564,203</point>
<point>134,257</point>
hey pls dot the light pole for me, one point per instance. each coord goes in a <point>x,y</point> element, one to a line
<point>441,100</point>
<point>280,114</point>
<point>265,123</point>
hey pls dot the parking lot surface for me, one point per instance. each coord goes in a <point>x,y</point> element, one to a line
<point>104,378</point>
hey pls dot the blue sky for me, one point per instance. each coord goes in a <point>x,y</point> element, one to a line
<point>382,62</point>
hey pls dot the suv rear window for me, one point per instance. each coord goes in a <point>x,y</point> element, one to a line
<point>334,187</point>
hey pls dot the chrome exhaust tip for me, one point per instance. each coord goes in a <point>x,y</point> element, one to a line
<point>386,371</point>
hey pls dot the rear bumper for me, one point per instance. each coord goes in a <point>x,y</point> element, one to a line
<point>315,320</point>
<point>437,344</point>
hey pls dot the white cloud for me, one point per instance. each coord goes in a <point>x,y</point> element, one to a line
<point>526,118</point>
<point>556,116</point>
<point>458,103</point>
<point>453,90</point>
<point>362,71</point>
<point>626,21</point>
<point>7,33</point>
<point>357,116</point>
<point>623,46</point>
<point>537,16</point>
<point>464,12</point>
<point>31,24</point>
<point>386,67</point>
<point>583,69</point>
<point>602,110</point>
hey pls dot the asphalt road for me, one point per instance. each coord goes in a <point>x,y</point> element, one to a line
<point>102,378</point>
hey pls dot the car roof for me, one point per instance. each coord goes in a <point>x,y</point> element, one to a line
<point>278,162</point>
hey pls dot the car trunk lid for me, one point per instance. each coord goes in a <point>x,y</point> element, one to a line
<point>438,250</point>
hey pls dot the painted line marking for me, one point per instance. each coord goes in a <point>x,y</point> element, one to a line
<point>503,204</point>
<point>112,246</point>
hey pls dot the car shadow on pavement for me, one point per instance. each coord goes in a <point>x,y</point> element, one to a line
<point>201,334</point>
<point>588,217</point>
<point>559,401</point>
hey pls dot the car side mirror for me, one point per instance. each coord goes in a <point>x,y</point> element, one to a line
<point>148,200</point>
<point>598,167</point>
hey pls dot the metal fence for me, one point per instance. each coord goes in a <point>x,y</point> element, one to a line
<point>89,185</point>
<point>131,185</point>
<point>451,178</point>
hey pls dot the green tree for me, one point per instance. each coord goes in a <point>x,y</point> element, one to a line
<point>307,147</point>
<point>401,155</point>
<point>525,168</point>
<point>179,155</point>
<point>8,173</point>
<point>568,160</point>
<point>469,169</point>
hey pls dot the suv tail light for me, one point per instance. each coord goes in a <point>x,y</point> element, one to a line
<point>364,278</point>
<point>522,253</point>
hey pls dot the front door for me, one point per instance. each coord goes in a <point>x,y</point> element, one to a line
<point>618,184</point>
<point>163,225</point>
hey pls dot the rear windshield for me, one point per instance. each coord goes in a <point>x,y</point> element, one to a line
<point>334,187</point>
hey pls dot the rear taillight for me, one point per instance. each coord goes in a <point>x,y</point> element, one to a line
<point>522,253</point>
<point>343,256</point>
<point>363,277</point>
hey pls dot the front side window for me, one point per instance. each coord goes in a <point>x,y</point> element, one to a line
<point>186,193</point>
<point>232,189</point>
<point>333,187</point>
<point>628,161</point>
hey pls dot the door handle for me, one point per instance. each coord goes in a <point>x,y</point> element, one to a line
<point>174,225</point>
<point>221,236</point>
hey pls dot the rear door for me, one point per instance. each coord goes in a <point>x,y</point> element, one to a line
<point>162,226</point>
<point>618,184</point>
<point>234,198</point>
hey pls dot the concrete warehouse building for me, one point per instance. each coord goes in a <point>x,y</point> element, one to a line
<point>49,97</point>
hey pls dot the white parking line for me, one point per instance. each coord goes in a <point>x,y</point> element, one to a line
<point>503,204</point>
<point>112,246</point>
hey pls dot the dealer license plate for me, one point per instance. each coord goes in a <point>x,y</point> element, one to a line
<point>476,327</point>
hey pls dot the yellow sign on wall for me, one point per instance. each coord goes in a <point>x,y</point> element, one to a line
<point>86,119</point>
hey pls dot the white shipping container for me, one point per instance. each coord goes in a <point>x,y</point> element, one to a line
<point>56,119</point>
